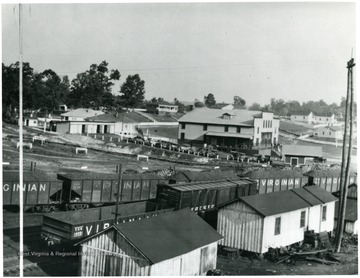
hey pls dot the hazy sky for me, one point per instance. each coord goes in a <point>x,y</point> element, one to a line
<point>293,51</point>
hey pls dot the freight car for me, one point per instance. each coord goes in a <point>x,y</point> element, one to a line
<point>279,180</point>
<point>42,191</point>
<point>328,179</point>
<point>67,227</point>
<point>203,196</point>
<point>191,176</point>
<point>86,189</point>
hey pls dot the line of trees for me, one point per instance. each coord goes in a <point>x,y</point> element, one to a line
<point>90,89</point>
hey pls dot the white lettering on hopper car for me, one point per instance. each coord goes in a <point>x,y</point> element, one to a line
<point>25,187</point>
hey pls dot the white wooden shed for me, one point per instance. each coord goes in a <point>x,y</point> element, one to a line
<point>259,222</point>
<point>172,244</point>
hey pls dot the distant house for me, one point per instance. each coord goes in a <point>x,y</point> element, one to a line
<point>171,244</point>
<point>325,118</point>
<point>161,107</point>
<point>229,127</point>
<point>123,124</point>
<point>80,114</point>
<point>30,121</point>
<point>259,222</point>
<point>329,133</point>
<point>302,117</point>
<point>63,107</point>
<point>298,154</point>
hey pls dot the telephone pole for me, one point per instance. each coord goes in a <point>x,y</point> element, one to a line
<point>346,157</point>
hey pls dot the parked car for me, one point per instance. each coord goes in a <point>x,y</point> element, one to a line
<point>174,147</point>
<point>162,144</point>
<point>319,159</point>
<point>185,147</point>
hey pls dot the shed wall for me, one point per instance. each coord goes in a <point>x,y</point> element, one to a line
<point>241,226</point>
<point>328,225</point>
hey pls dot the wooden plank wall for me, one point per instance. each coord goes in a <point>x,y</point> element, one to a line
<point>241,227</point>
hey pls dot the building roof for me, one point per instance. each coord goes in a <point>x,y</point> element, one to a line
<point>229,134</point>
<point>125,117</point>
<point>302,150</point>
<point>190,176</point>
<point>334,128</point>
<point>162,103</point>
<point>326,173</point>
<point>325,114</point>
<point>300,113</point>
<point>209,185</point>
<point>287,200</point>
<point>214,116</point>
<point>219,105</point>
<point>167,235</point>
<point>13,176</point>
<point>82,112</point>
<point>350,211</point>
<point>107,176</point>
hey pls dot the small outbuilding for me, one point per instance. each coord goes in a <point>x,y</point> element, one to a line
<point>172,244</point>
<point>259,222</point>
<point>298,154</point>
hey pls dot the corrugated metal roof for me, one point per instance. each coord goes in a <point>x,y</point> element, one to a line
<point>302,150</point>
<point>11,176</point>
<point>209,185</point>
<point>126,117</point>
<point>350,211</point>
<point>214,116</point>
<point>321,194</point>
<point>288,200</point>
<point>107,176</point>
<point>203,176</point>
<point>169,235</point>
<point>82,112</point>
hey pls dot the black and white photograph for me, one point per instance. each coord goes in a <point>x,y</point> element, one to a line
<point>179,138</point>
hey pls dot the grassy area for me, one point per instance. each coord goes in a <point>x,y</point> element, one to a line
<point>295,128</point>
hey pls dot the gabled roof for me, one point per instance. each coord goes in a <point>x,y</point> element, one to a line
<point>288,200</point>
<point>167,235</point>
<point>302,150</point>
<point>214,116</point>
<point>301,114</point>
<point>125,117</point>
<point>82,112</point>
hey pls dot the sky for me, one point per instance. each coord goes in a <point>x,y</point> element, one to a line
<point>258,51</point>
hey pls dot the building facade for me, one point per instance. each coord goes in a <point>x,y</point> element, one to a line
<point>241,128</point>
<point>80,114</point>
<point>161,108</point>
<point>329,133</point>
<point>299,154</point>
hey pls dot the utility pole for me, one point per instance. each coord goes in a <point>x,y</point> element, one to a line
<point>346,158</point>
<point>118,194</point>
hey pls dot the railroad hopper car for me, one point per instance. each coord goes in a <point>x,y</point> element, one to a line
<point>190,176</point>
<point>42,191</point>
<point>85,189</point>
<point>203,196</point>
<point>65,228</point>
<point>279,180</point>
<point>328,179</point>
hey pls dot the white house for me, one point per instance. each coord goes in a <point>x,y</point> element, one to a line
<point>30,121</point>
<point>324,119</point>
<point>171,244</point>
<point>302,117</point>
<point>161,107</point>
<point>229,127</point>
<point>258,222</point>
<point>329,133</point>
<point>80,114</point>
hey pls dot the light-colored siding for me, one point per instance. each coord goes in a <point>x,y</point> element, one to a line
<point>241,227</point>
<point>328,225</point>
<point>290,231</point>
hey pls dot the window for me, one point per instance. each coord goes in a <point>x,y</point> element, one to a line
<point>323,217</point>
<point>263,123</point>
<point>226,129</point>
<point>304,117</point>
<point>238,129</point>
<point>182,135</point>
<point>277,225</point>
<point>182,125</point>
<point>323,132</point>
<point>205,127</point>
<point>302,219</point>
<point>329,133</point>
<point>258,129</point>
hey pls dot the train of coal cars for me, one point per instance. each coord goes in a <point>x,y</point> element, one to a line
<point>78,190</point>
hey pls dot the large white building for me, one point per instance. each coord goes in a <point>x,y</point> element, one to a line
<point>80,114</point>
<point>229,127</point>
<point>312,118</point>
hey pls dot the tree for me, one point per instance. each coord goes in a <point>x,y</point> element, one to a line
<point>132,91</point>
<point>255,107</point>
<point>209,100</point>
<point>239,101</point>
<point>181,106</point>
<point>199,104</point>
<point>93,87</point>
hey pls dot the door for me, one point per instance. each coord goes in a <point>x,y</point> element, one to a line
<point>83,129</point>
<point>105,129</point>
<point>294,161</point>
<point>98,129</point>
